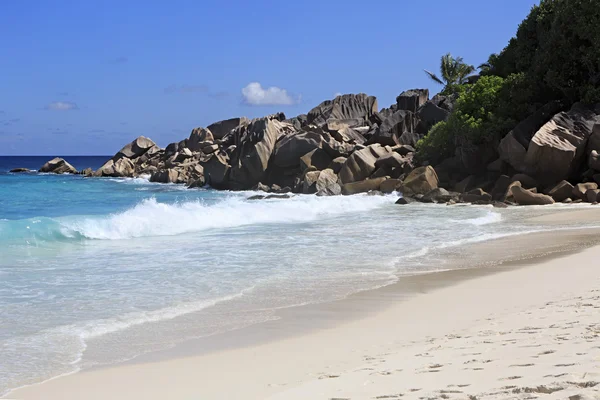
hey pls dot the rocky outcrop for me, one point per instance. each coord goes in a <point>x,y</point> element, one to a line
<point>394,127</point>
<point>309,184</point>
<point>348,106</point>
<point>526,197</point>
<point>526,129</point>
<point>430,114</point>
<point>594,160</point>
<point>136,148</point>
<point>337,164</point>
<point>512,152</point>
<point>19,170</point>
<point>476,196</point>
<point>58,166</point>
<point>580,190</point>
<point>346,145</point>
<point>421,180</point>
<point>199,140</point>
<point>165,176</point>
<point>439,195</point>
<point>290,148</point>
<point>561,192</point>
<point>591,196</point>
<point>359,166</point>
<point>123,167</point>
<point>316,158</point>
<point>364,186</point>
<point>594,141</point>
<point>327,183</point>
<point>254,145</point>
<point>123,164</point>
<point>216,171</point>
<point>411,100</point>
<point>221,128</point>
<point>390,185</point>
<point>297,122</point>
<point>557,150</point>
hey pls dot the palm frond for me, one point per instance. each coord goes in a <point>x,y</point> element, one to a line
<point>434,77</point>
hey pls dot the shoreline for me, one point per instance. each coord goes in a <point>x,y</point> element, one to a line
<point>296,323</point>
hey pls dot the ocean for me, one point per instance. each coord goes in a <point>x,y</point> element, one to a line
<point>95,271</point>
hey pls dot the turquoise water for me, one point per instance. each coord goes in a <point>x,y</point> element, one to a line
<point>95,271</point>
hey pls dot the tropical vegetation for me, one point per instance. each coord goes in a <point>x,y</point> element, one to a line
<point>453,72</point>
<point>555,55</point>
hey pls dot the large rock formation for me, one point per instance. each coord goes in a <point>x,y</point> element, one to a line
<point>394,127</point>
<point>361,164</point>
<point>327,183</point>
<point>200,139</point>
<point>58,166</point>
<point>411,100</point>
<point>123,163</point>
<point>512,152</point>
<point>216,171</point>
<point>421,180</point>
<point>348,106</point>
<point>221,128</point>
<point>430,114</point>
<point>526,197</point>
<point>365,186</point>
<point>291,148</point>
<point>254,146</point>
<point>557,150</point>
<point>346,145</point>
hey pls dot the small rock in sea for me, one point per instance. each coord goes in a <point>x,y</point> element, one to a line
<point>286,189</point>
<point>87,172</point>
<point>15,170</point>
<point>278,196</point>
<point>499,204</point>
<point>402,201</point>
<point>256,197</point>
<point>451,202</point>
<point>260,187</point>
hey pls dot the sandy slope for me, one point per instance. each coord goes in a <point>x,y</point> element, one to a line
<point>548,347</point>
<point>522,333</point>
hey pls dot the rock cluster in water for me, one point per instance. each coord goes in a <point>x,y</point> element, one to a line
<point>348,146</point>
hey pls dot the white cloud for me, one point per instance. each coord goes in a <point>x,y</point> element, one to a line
<point>255,95</point>
<point>61,106</point>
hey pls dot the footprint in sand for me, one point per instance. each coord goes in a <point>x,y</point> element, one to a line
<point>329,376</point>
<point>511,378</point>
<point>543,353</point>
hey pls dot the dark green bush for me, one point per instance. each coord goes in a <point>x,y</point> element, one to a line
<point>555,55</point>
<point>472,121</point>
<point>557,47</point>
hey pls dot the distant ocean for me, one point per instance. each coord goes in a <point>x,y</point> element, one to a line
<point>94,271</point>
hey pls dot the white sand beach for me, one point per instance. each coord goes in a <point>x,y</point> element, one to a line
<point>523,330</point>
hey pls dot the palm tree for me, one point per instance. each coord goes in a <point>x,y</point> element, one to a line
<point>489,67</point>
<point>453,71</point>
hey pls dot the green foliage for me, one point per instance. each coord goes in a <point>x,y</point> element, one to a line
<point>555,55</point>
<point>437,144</point>
<point>483,113</point>
<point>557,47</point>
<point>453,72</point>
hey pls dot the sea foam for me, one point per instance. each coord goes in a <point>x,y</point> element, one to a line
<point>152,218</point>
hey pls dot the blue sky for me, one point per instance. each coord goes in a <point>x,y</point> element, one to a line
<point>84,78</point>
